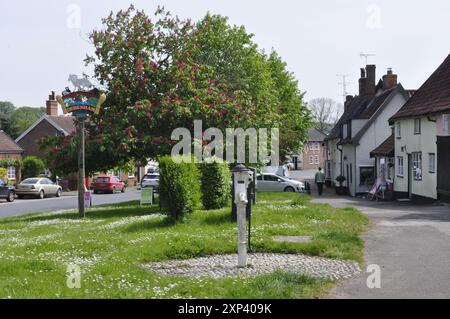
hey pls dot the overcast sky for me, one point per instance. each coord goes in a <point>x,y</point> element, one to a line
<point>41,44</point>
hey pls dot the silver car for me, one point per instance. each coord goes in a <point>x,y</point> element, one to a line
<point>39,187</point>
<point>150,180</point>
<point>275,183</point>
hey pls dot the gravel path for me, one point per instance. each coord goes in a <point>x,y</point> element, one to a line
<point>219,266</point>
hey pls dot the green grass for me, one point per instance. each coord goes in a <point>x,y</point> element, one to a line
<point>113,242</point>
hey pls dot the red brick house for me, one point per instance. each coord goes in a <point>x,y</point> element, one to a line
<point>313,154</point>
<point>49,124</point>
<point>10,150</point>
<point>52,124</point>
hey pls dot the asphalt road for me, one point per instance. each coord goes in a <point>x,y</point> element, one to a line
<point>25,206</point>
<point>411,245</point>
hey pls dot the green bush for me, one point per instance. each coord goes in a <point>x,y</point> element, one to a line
<point>215,185</point>
<point>32,167</point>
<point>179,187</point>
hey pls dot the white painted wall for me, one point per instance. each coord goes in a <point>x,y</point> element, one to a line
<point>440,126</point>
<point>425,143</point>
<point>376,134</point>
<point>335,157</point>
<point>348,152</point>
<point>357,125</point>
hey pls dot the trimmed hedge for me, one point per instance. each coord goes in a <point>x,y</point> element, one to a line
<point>215,184</point>
<point>179,187</point>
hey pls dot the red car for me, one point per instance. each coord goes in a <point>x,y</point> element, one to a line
<point>107,184</point>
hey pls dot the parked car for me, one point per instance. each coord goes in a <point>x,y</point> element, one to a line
<point>39,187</point>
<point>7,191</point>
<point>150,180</point>
<point>274,183</point>
<point>152,170</point>
<point>107,184</point>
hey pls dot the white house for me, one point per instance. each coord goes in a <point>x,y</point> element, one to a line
<point>422,140</point>
<point>362,128</point>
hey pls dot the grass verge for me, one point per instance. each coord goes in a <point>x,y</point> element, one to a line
<point>113,242</point>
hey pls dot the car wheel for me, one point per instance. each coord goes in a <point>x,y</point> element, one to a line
<point>41,194</point>
<point>11,196</point>
<point>58,193</point>
<point>289,189</point>
<point>95,192</point>
<point>113,190</point>
<point>123,190</point>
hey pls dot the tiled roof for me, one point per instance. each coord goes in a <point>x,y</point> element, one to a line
<point>375,104</point>
<point>356,107</point>
<point>7,144</point>
<point>432,97</point>
<point>64,122</point>
<point>385,149</point>
<point>316,135</point>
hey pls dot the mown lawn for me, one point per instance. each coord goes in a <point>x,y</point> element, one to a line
<point>113,243</point>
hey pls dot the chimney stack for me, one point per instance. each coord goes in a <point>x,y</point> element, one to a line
<point>362,83</point>
<point>370,85</point>
<point>348,101</point>
<point>52,105</point>
<point>389,80</point>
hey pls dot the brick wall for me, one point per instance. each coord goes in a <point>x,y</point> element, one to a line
<point>316,150</point>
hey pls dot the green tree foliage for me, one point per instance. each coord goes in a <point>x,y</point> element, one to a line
<point>295,116</point>
<point>14,121</point>
<point>179,187</point>
<point>32,166</point>
<point>161,73</point>
<point>6,111</point>
<point>61,154</point>
<point>215,184</point>
<point>24,117</point>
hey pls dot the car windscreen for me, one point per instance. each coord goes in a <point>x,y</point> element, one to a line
<point>30,181</point>
<point>151,177</point>
<point>102,180</point>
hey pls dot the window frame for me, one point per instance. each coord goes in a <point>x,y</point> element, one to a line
<point>432,168</point>
<point>417,164</point>
<point>446,123</point>
<point>8,173</point>
<point>400,168</point>
<point>361,168</point>
<point>398,130</point>
<point>417,126</point>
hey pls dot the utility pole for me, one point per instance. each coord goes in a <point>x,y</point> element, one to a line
<point>366,56</point>
<point>344,84</point>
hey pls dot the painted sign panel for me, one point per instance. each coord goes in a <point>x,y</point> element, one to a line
<point>87,199</point>
<point>81,103</point>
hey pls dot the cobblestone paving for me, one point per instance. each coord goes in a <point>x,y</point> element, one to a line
<point>219,266</point>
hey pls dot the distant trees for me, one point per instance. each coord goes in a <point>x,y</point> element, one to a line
<point>325,112</point>
<point>15,120</point>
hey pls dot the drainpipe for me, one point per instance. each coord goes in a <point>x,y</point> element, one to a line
<point>340,150</point>
<point>354,175</point>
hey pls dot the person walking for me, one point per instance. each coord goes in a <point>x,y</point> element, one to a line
<point>320,180</point>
